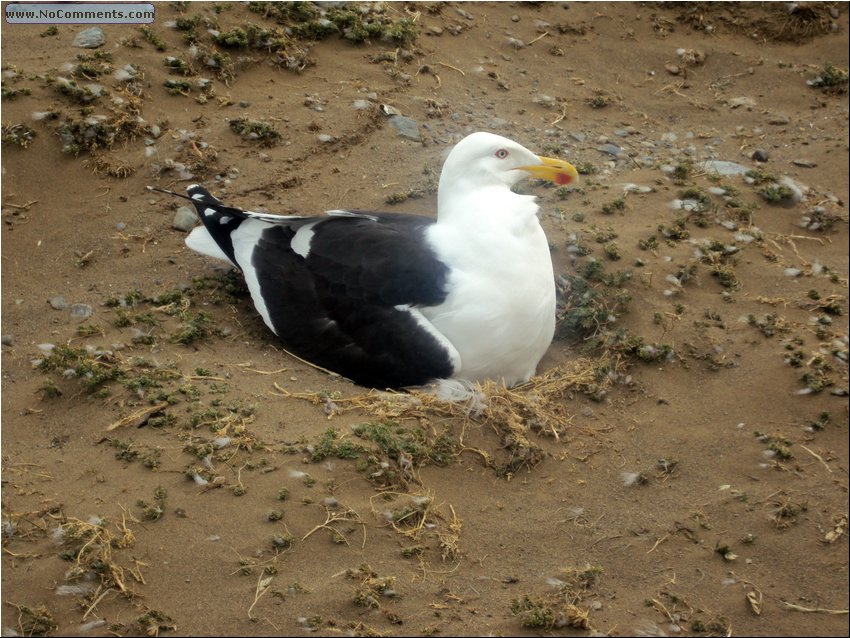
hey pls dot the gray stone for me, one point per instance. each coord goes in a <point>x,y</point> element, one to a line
<point>90,38</point>
<point>58,303</point>
<point>8,340</point>
<point>81,311</point>
<point>610,149</point>
<point>760,155</point>
<point>743,101</point>
<point>406,127</point>
<point>184,219</point>
<point>723,167</point>
<point>804,163</point>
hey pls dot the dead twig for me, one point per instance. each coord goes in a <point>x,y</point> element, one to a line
<point>814,610</point>
<point>139,417</point>
<point>818,457</point>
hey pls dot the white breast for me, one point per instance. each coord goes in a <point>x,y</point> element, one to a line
<point>500,311</point>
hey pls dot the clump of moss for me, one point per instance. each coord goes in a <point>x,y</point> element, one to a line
<point>307,21</point>
<point>129,451</point>
<point>178,65</point>
<point>91,67</point>
<point>612,251</point>
<point>194,328</point>
<point>217,62</point>
<point>97,132</point>
<point>358,27</point>
<point>397,198</point>
<point>676,232</point>
<point>236,38</point>
<point>589,300</point>
<point>371,587</point>
<point>252,36</point>
<point>586,168</point>
<point>682,172</point>
<point>154,511</point>
<point>534,614</point>
<point>769,325</point>
<point>255,130</point>
<point>151,36</point>
<point>616,206</point>
<point>775,193</point>
<point>10,93</point>
<point>560,609</point>
<point>635,346</point>
<point>152,622</point>
<point>18,134</point>
<point>79,94</point>
<point>177,87</point>
<point>282,540</point>
<point>832,80</point>
<point>92,369</point>
<point>650,243</point>
<point>822,421</point>
<point>333,444</point>
<point>406,448</point>
<point>35,621</point>
<point>598,101</point>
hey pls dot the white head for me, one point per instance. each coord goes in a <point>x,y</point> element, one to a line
<point>483,159</point>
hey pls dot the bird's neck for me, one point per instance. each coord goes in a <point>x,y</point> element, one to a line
<point>495,204</point>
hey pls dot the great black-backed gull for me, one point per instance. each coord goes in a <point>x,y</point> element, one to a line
<point>392,300</point>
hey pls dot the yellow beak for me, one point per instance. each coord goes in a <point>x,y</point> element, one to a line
<point>553,170</point>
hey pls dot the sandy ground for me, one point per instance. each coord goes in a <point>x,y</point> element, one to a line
<point>689,474</point>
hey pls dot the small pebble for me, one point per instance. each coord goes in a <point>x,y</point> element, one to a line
<point>184,219</point>
<point>804,163</point>
<point>746,102</point>
<point>58,303</point>
<point>8,340</point>
<point>90,38</point>
<point>723,167</point>
<point>610,149</point>
<point>81,311</point>
<point>406,127</point>
<point>760,155</point>
<point>46,348</point>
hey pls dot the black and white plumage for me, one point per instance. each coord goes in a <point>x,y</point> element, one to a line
<point>392,300</point>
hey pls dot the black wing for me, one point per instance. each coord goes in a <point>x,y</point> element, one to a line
<point>346,304</point>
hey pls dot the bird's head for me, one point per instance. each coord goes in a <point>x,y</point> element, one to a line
<point>483,159</point>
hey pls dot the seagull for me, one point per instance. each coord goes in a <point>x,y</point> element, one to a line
<point>394,300</point>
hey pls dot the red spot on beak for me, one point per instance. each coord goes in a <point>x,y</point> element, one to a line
<point>563,178</point>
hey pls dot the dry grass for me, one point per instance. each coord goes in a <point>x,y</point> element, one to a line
<point>536,407</point>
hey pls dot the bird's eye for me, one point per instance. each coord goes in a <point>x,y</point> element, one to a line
<point>502,153</point>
